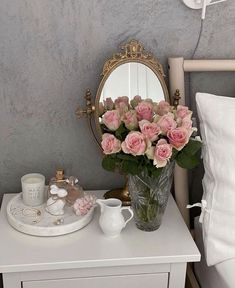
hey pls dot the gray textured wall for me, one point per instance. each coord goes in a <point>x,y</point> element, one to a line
<point>51,51</point>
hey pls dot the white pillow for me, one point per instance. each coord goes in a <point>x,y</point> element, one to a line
<point>217,123</point>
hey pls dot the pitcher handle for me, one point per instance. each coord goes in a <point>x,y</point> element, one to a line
<point>131,212</point>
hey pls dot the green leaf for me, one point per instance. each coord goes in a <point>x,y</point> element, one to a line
<point>156,172</point>
<point>109,163</point>
<point>192,147</point>
<point>128,167</point>
<point>174,153</point>
<point>127,157</point>
<point>121,132</point>
<point>187,161</point>
<point>105,129</point>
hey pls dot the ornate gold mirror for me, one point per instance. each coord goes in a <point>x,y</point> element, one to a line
<point>130,73</point>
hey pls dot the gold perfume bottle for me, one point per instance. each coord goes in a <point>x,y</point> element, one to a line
<point>59,180</point>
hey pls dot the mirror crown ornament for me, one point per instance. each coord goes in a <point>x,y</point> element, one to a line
<point>134,51</point>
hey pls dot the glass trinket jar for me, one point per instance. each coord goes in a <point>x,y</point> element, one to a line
<point>74,190</point>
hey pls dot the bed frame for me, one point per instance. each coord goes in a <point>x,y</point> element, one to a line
<point>177,69</point>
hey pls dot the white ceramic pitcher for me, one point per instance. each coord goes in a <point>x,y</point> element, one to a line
<point>111,219</point>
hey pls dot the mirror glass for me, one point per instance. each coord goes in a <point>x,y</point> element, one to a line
<point>133,84</point>
<point>131,79</point>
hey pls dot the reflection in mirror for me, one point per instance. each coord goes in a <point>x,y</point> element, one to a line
<point>131,79</point>
<point>126,86</point>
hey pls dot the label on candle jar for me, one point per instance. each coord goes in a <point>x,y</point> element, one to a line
<point>34,192</point>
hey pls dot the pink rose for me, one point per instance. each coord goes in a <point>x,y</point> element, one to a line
<point>122,108</point>
<point>121,99</point>
<point>135,101</point>
<point>163,108</point>
<point>130,120</point>
<point>166,123</point>
<point>186,123</point>
<point>183,111</point>
<point>135,144</point>
<point>150,130</point>
<point>110,144</point>
<point>144,110</point>
<point>112,119</point>
<point>150,152</point>
<point>82,205</point>
<point>122,104</point>
<point>108,104</point>
<point>149,100</point>
<point>178,137</point>
<point>162,153</point>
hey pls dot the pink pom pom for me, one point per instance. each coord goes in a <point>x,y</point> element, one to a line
<point>83,205</point>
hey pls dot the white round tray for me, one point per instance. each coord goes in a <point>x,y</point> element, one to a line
<point>45,223</point>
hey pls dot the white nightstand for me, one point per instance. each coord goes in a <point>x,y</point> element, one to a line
<point>87,258</point>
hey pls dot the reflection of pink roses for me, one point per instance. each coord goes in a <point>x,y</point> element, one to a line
<point>150,130</point>
<point>183,111</point>
<point>130,120</point>
<point>112,119</point>
<point>108,103</point>
<point>121,99</point>
<point>162,153</point>
<point>167,122</point>
<point>110,144</point>
<point>122,104</point>
<point>135,101</point>
<point>122,108</point>
<point>163,108</point>
<point>178,137</point>
<point>144,110</point>
<point>135,144</point>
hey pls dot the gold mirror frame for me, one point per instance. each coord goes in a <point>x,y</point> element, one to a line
<point>133,51</point>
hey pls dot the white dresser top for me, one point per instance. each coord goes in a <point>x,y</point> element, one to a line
<point>88,247</point>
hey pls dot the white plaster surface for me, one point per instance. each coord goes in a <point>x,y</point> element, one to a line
<point>51,51</point>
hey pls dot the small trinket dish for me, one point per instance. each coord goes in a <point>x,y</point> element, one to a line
<point>38,222</point>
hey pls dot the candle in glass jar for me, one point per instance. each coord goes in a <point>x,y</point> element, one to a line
<point>33,189</point>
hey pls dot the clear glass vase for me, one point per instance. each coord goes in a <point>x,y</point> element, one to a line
<point>149,196</point>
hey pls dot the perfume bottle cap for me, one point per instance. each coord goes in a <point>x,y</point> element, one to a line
<point>59,174</point>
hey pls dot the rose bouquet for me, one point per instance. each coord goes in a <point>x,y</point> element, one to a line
<point>141,135</point>
<point>143,140</point>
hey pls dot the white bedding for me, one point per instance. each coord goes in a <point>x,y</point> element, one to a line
<point>221,275</point>
<point>217,119</point>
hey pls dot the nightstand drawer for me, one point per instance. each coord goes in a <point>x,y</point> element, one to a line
<point>138,281</point>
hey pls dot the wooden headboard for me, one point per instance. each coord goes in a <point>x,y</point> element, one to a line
<point>177,69</point>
